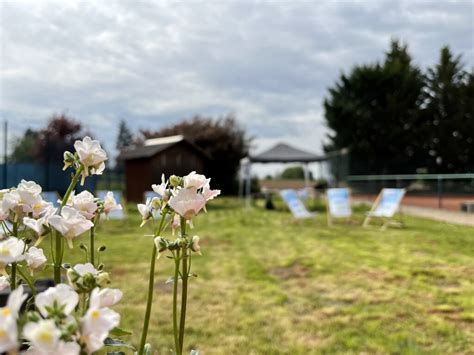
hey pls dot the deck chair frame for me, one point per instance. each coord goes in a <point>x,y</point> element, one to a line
<point>387,221</point>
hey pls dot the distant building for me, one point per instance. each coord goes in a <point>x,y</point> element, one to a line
<point>168,155</point>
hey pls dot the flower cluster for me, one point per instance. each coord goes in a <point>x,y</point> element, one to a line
<point>76,318</point>
<point>55,323</point>
<point>58,325</point>
<point>85,277</point>
<point>186,196</point>
<point>179,200</point>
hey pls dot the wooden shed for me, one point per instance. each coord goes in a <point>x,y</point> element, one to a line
<point>168,155</point>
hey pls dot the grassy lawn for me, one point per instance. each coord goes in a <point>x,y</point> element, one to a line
<point>268,285</point>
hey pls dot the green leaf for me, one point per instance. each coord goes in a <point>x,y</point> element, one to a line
<point>119,332</point>
<point>117,342</point>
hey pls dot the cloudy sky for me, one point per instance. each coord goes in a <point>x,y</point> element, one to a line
<point>154,63</point>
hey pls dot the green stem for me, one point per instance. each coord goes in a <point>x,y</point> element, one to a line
<point>92,247</point>
<point>28,281</point>
<point>59,247</point>
<point>184,289</point>
<point>151,283</point>
<point>13,276</point>
<point>57,259</point>
<point>14,266</point>
<point>70,188</point>
<point>175,304</point>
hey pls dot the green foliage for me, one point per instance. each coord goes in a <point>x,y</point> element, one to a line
<point>24,148</point>
<point>222,139</point>
<point>449,114</point>
<point>48,144</point>
<point>294,173</point>
<point>269,285</point>
<point>395,119</point>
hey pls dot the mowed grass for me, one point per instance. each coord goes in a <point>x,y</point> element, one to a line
<point>269,285</point>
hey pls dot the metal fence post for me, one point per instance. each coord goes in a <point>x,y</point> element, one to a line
<point>440,192</point>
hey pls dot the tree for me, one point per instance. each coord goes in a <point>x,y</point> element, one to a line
<point>449,111</point>
<point>48,144</point>
<point>374,111</point>
<point>59,135</point>
<point>125,137</point>
<point>24,148</point>
<point>222,139</point>
<point>294,173</point>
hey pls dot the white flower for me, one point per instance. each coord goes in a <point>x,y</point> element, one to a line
<point>14,303</point>
<point>85,203</point>
<point>110,204</point>
<point>8,317</point>
<point>62,296</point>
<point>11,250</point>
<point>35,258</point>
<point>97,323</point>
<point>176,224</point>
<point>36,225</point>
<point>70,223</point>
<point>145,210</point>
<point>28,197</point>
<point>42,208</point>
<point>62,348</point>
<point>28,188</point>
<point>208,193</point>
<point>109,297</point>
<point>193,180</point>
<point>88,268</point>
<point>11,200</point>
<point>187,202</point>
<point>8,333</point>
<point>4,282</point>
<point>195,244</point>
<point>44,336</point>
<point>92,157</point>
<point>4,212</point>
<point>161,188</point>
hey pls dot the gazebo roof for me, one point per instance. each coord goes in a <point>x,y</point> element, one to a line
<point>284,153</point>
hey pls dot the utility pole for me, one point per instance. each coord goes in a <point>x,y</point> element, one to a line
<point>5,154</point>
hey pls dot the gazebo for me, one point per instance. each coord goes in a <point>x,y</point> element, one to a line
<point>280,153</point>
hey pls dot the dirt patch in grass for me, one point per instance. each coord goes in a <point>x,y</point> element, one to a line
<point>294,271</point>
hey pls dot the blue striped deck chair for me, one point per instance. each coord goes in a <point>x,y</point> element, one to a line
<point>385,207</point>
<point>338,203</point>
<point>117,214</point>
<point>51,196</point>
<point>297,208</point>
